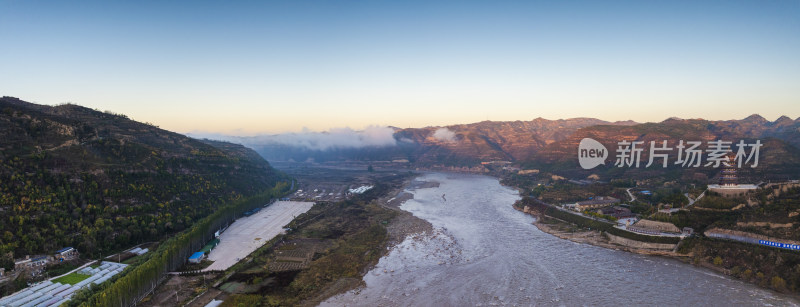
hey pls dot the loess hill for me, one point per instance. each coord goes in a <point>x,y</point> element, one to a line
<point>779,157</point>
<point>98,181</point>
<point>552,144</point>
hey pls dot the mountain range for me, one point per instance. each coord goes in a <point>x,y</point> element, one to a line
<point>548,143</point>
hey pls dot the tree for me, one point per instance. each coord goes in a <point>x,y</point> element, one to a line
<point>6,259</point>
<point>778,283</point>
<point>21,282</point>
<point>747,274</point>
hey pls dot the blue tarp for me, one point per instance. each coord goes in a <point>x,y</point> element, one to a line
<point>196,255</point>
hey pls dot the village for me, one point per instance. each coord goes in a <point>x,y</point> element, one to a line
<point>47,290</point>
<point>659,220</point>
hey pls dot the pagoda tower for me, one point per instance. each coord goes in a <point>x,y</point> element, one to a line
<point>728,177</point>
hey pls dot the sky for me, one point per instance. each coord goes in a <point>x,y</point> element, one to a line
<point>250,67</point>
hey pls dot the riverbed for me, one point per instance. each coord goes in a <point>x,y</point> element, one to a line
<point>482,252</point>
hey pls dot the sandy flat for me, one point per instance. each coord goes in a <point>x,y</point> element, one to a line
<point>249,233</point>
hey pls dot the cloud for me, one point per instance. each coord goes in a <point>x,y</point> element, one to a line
<point>372,136</point>
<point>445,135</point>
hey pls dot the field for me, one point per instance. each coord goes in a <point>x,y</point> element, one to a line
<point>179,290</point>
<point>130,260</point>
<point>249,233</point>
<point>71,279</point>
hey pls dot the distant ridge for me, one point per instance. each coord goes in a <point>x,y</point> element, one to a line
<point>522,141</point>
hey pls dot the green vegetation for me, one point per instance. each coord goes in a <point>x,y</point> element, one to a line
<point>72,278</point>
<point>623,183</point>
<point>132,260</point>
<point>773,211</point>
<point>61,268</point>
<point>777,206</point>
<point>191,267</point>
<point>714,201</point>
<point>100,182</point>
<point>208,247</point>
<point>670,196</point>
<point>601,216</point>
<point>592,224</point>
<point>529,182</point>
<point>640,207</point>
<point>135,282</point>
<point>564,192</point>
<point>699,220</point>
<point>347,259</point>
<point>242,300</point>
<point>768,267</point>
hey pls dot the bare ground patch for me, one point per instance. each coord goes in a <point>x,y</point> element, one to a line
<point>178,290</point>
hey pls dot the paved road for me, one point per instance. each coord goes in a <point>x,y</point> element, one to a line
<point>249,233</point>
<point>692,201</point>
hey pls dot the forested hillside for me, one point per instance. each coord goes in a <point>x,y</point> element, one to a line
<point>98,181</point>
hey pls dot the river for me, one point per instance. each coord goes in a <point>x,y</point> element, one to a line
<point>485,253</point>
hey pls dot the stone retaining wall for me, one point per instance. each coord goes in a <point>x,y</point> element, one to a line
<point>639,244</point>
<point>764,224</point>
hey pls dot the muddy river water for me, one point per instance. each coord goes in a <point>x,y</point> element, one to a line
<point>482,252</point>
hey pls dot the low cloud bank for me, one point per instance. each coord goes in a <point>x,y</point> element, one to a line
<point>445,135</point>
<point>372,136</point>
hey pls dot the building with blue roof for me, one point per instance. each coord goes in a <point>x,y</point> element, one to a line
<point>197,257</point>
<point>67,253</point>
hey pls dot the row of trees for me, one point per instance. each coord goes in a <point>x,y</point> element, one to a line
<point>590,223</point>
<point>138,281</point>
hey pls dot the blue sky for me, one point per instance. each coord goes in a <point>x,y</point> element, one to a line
<point>258,66</point>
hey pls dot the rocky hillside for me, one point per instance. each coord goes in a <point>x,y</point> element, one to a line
<point>73,176</point>
<point>487,141</point>
<point>779,155</point>
<point>467,144</point>
<point>542,143</point>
